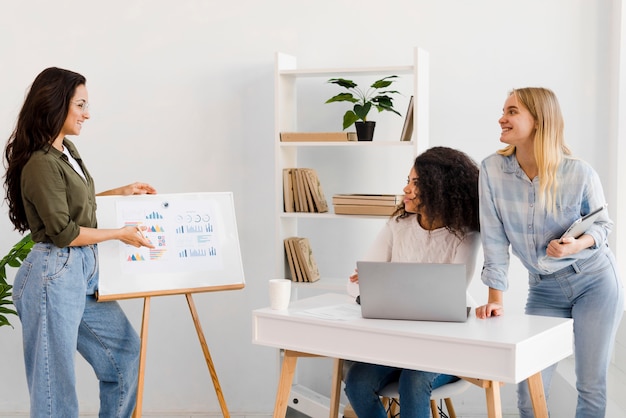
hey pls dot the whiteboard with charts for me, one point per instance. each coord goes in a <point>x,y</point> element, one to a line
<point>196,245</point>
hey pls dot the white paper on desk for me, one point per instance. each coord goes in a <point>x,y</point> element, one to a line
<point>353,289</point>
<point>343,312</point>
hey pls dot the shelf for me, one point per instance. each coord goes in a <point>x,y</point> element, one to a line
<point>395,143</point>
<point>337,241</point>
<point>372,166</point>
<point>325,72</point>
<point>329,215</point>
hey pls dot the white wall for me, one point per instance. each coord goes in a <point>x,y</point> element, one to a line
<point>182,97</point>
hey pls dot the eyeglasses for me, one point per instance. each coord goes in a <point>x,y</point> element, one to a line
<point>83,106</point>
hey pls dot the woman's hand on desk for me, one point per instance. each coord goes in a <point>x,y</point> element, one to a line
<point>494,306</point>
<point>489,310</point>
<point>355,277</point>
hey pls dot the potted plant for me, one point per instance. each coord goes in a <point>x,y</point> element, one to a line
<point>14,258</point>
<point>363,103</point>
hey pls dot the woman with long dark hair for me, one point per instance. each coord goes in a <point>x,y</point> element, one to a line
<point>51,194</point>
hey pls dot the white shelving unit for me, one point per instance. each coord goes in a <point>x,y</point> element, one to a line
<point>343,167</point>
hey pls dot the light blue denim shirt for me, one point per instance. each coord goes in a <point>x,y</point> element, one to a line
<point>511,215</point>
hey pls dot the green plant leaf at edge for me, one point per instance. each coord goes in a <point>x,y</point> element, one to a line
<point>383,82</point>
<point>343,97</point>
<point>14,257</point>
<point>348,84</point>
<point>5,299</point>
<point>349,118</point>
<point>385,103</point>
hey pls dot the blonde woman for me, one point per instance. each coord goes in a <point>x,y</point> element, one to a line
<point>530,192</point>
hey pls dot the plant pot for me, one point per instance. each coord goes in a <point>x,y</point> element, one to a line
<point>365,130</point>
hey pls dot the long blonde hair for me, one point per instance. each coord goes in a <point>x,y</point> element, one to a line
<point>549,142</point>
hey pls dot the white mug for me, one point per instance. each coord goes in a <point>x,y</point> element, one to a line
<point>280,293</point>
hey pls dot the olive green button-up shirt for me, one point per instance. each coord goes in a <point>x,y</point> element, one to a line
<point>57,200</point>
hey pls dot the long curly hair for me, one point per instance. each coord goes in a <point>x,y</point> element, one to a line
<point>39,123</point>
<point>447,189</point>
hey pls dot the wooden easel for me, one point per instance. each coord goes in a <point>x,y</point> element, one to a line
<point>208,215</point>
<point>205,349</point>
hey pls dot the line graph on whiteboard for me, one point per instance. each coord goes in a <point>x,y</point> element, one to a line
<point>185,236</point>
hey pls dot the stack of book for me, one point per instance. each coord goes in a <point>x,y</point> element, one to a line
<point>366,204</point>
<point>302,191</point>
<point>302,265</point>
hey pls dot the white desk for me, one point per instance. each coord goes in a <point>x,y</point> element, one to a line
<point>489,352</point>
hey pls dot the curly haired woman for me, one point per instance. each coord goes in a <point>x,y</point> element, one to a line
<point>436,223</point>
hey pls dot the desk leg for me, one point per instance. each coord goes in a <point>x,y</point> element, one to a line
<point>287,371</point>
<point>494,402</point>
<point>335,391</point>
<point>537,396</point>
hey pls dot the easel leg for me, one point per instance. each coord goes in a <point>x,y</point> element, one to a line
<point>142,356</point>
<point>207,356</point>
<point>494,402</point>
<point>335,391</point>
<point>537,396</point>
<point>290,358</point>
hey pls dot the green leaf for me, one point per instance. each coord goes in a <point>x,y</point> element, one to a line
<point>385,103</point>
<point>5,299</point>
<point>349,118</point>
<point>14,258</point>
<point>383,82</point>
<point>362,111</point>
<point>343,97</point>
<point>349,84</point>
<point>7,311</point>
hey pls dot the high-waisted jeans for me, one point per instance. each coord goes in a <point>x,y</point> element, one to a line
<point>54,297</point>
<point>591,292</point>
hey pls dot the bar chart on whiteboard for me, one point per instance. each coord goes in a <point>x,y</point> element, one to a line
<point>184,234</point>
<point>194,236</point>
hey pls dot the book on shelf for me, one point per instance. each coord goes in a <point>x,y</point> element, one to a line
<point>288,190</point>
<point>302,191</point>
<point>302,265</point>
<point>290,262</point>
<point>300,194</point>
<point>364,210</point>
<point>317,193</point>
<point>407,129</point>
<point>367,199</point>
<point>317,136</point>
<point>299,277</point>
<point>307,191</point>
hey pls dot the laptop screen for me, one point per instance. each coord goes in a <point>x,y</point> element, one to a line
<point>413,291</point>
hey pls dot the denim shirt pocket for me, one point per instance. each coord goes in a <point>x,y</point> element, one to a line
<point>555,226</point>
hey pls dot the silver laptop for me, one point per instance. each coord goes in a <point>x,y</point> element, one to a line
<point>413,291</point>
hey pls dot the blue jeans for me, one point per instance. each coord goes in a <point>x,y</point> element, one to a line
<point>365,380</point>
<point>591,292</point>
<point>54,297</point>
